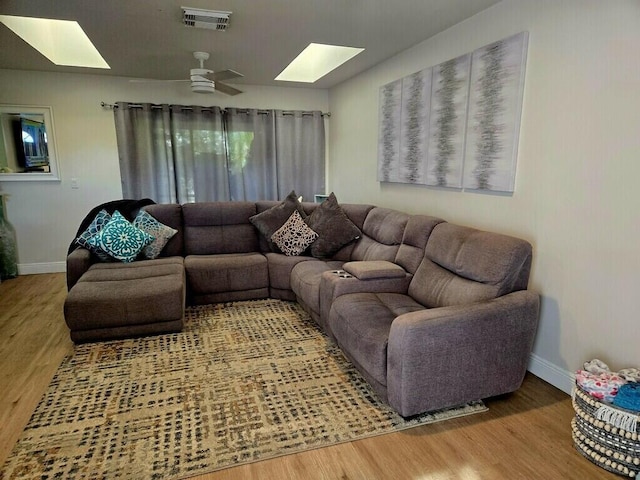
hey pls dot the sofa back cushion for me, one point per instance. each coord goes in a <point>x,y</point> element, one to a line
<point>414,241</point>
<point>382,233</point>
<point>464,265</point>
<point>219,227</point>
<point>170,214</point>
<point>357,213</point>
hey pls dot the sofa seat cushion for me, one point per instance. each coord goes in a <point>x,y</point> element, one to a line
<point>280,267</point>
<point>99,272</point>
<point>305,281</point>
<point>360,323</point>
<point>226,272</point>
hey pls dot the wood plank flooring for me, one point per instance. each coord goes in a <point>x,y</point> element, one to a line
<point>525,435</point>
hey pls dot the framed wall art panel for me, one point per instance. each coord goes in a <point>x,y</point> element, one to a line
<point>495,107</point>
<point>449,96</point>
<point>390,106</point>
<point>414,132</point>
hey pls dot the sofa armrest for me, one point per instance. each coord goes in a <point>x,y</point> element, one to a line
<point>334,285</point>
<point>374,269</point>
<point>447,356</point>
<point>78,262</point>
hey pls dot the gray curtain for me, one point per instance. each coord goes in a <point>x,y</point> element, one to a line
<point>144,147</point>
<point>173,153</point>
<point>299,139</point>
<point>199,150</point>
<point>252,152</point>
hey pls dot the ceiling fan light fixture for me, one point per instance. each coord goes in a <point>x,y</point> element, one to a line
<point>206,86</point>
<point>200,83</point>
<point>210,19</point>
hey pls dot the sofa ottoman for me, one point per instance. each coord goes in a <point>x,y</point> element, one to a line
<point>115,300</point>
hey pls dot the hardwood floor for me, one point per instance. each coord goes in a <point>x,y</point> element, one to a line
<point>523,435</point>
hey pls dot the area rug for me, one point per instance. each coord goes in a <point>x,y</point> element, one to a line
<point>243,382</point>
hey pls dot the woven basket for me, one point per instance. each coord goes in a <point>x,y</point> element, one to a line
<point>606,435</point>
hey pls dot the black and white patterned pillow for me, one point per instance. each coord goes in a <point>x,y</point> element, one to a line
<point>294,236</point>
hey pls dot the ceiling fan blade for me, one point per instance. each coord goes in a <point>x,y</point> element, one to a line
<point>229,90</point>
<point>151,80</point>
<point>224,75</point>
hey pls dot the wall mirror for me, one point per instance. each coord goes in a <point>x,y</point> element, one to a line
<point>27,144</point>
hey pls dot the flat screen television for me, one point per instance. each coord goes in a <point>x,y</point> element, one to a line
<point>31,143</point>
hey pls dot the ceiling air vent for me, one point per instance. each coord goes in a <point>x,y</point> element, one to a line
<point>211,19</point>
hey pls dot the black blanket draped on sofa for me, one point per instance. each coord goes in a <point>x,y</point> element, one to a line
<point>127,207</point>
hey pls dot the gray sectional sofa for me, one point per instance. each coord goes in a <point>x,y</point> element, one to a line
<point>431,313</point>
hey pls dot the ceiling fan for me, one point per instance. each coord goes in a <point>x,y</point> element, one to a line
<point>204,80</point>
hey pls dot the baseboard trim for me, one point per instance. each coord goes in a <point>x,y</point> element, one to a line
<point>35,268</point>
<point>547,371</point>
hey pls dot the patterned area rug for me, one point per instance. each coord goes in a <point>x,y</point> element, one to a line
<point>244,381</point>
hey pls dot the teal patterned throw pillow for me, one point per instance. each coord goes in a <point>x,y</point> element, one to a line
<point>99,221</point>
<point>120,239</point>
<point>162,233</point>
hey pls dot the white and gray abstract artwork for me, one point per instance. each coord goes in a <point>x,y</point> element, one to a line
<point>495,105</point>
<point>450,92</point>
<point>414,133</point>
<point>390,106</point>
<point>456,125</point>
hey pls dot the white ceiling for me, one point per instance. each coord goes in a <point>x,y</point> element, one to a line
<point>147,39</point>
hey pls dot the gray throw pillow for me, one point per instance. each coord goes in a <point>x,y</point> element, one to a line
<point>161,233</point>
<point>333,227</point>
<point>269,221</point>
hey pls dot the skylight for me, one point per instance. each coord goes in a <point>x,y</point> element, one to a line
<point>61,41</point>
<point>316,61</point>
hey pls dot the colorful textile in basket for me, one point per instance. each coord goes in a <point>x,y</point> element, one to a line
<point>630,374</point>
<point>603,386</point>
<point>598,366</point>
<point>628,397</point>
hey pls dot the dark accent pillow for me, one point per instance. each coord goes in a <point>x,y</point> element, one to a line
<point>333,227</point>
<point>269,221</point>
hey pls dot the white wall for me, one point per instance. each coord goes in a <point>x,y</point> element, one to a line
<point>46,215</point>
<point>576,197</point>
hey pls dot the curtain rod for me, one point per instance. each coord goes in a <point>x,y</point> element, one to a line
<point>241,110</point>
